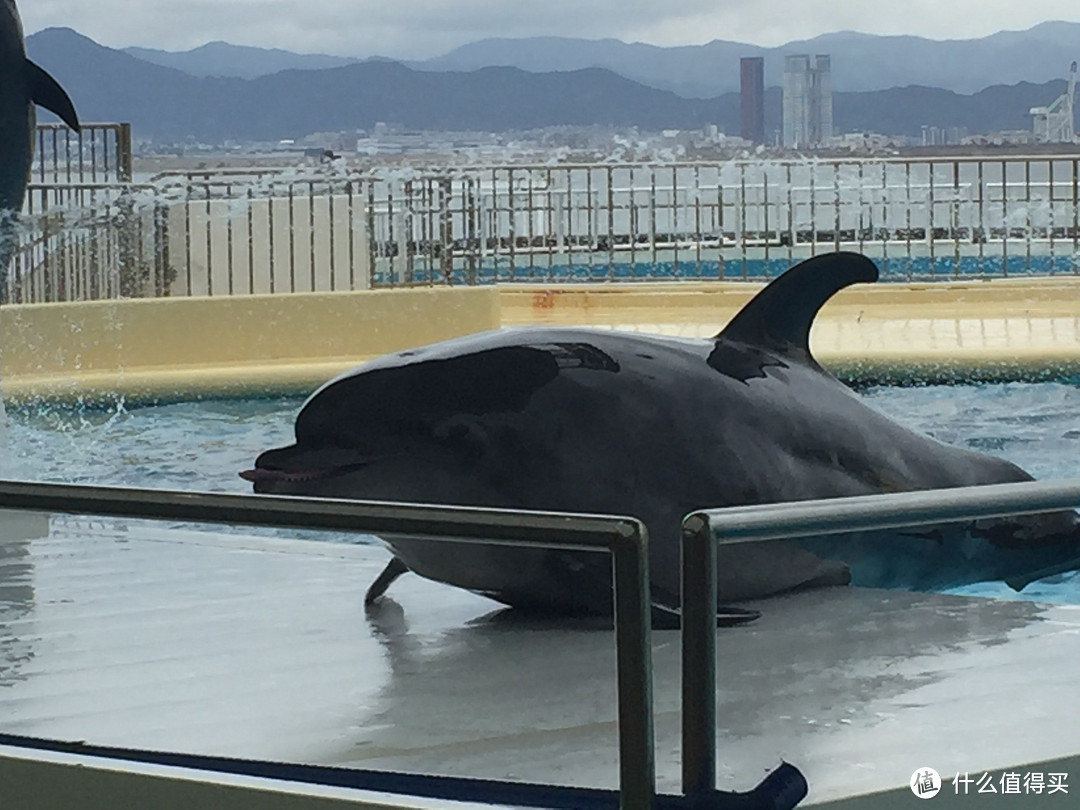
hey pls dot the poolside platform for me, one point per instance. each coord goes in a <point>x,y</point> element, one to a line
<point>134,634</point>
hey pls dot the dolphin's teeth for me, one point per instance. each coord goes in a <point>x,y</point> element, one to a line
<point>259,474</point>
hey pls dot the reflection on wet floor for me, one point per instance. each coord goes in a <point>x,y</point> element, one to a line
<point>17,594</point>
<point>135,635</point>
<point>16,602</point>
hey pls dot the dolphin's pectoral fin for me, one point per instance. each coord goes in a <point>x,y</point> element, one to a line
<point>46,92</point>
<point>666,618</point>
<point>779,317</point>
<point>727,616</point>
<point>394,569</point>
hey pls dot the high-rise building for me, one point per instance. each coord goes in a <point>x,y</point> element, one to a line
<point>807,104</point>
<point>752,98</point>
<point>822,98</point>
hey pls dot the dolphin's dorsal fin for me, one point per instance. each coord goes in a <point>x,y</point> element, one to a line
<point>46,92</point>
<point>779,317</point>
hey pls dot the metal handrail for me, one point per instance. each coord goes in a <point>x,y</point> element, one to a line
<point>625,538</point>
<point>748,524</point>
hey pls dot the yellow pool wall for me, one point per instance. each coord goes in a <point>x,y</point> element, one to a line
<point>181,348</point>
<point>178,348</point>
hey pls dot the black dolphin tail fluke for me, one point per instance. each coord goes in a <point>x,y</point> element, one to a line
<point>1021,580</point>
<point>46,92</point>
<point>779,317</point>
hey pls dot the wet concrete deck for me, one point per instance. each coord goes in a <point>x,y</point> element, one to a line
<point>132,634</point>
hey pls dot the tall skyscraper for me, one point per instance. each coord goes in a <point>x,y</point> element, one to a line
<point>822,97</point>
<point>807,104</point>
<point>752,98</point>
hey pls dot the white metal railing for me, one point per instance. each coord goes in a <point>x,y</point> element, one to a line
<point>95,231</point>
<point>920,218</point>
<point>97,153</point>
<point>748,524</point>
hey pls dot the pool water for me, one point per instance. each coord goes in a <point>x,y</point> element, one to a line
<point>1036,426</point>
<point>893,268</point>
<point>190,445</point>
<point>204,445</point>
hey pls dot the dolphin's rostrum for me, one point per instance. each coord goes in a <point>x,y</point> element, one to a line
<point>584,420</point>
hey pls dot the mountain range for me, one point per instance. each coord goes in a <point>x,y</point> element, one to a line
<point>241,61</point>
<point>860,62</point>
<point>165,104</point>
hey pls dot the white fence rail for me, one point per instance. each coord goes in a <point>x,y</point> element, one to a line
<point>335,228</point>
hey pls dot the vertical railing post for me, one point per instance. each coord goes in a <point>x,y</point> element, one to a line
<point>372,238</point>
<point>611,223</point>
<point>674,221</point>
<point>633,649</point>
<point>698,658</point>
<point>792,231</point>
<point>931,239</point>
<point>473,227</point>
<point>1050,207</point>
<point>132,279</point>
<point>764,230</point>
<point>123,153</point>
<point>911,272</point>
<point>1075,201</point>
<point>511,217</point>
<point>1004,218</point>
<point>1029,223</point>
<point>162,270</point>
<point>446,230</point>
<point>983,229</point>
<point>741,214</point>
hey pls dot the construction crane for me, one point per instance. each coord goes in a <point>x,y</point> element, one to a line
<point>1054,124</point>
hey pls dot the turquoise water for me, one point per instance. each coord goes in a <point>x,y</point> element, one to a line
<point>1036,426</point>
<point>893,268</point>
<point>189,445</point>
<point>204,445</point>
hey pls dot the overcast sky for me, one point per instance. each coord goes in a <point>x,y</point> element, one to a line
<point>422,28</point>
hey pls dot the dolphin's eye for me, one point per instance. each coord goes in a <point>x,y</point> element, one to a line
<point>457,432</point>
<point>465,437</point>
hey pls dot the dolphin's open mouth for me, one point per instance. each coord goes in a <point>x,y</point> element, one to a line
<point>261,474</point>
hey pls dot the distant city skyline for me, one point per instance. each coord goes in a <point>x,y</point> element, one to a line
<point>807,100</point>
<point>425,28</point>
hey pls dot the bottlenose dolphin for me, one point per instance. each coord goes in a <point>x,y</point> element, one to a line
<point>586,420</point>
<point>22,85</point>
